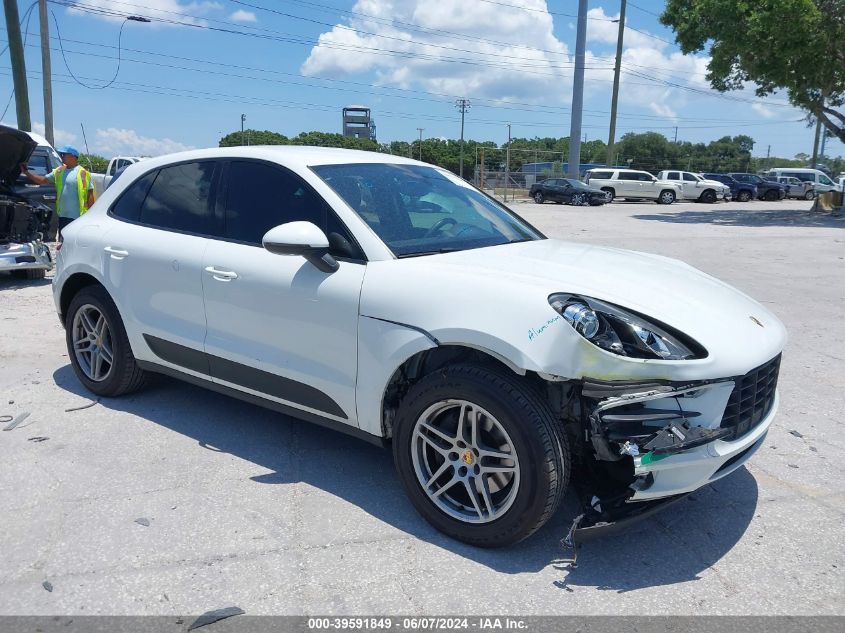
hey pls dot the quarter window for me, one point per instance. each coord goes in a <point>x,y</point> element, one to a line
<point>180,199</point>
<point>128,206</point>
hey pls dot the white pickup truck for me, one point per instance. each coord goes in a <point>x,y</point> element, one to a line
<point>102,181</point>
<point>696,187</point>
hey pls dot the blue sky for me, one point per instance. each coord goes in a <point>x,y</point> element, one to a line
<point>292,65</point>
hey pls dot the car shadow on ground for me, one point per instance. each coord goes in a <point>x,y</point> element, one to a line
<point>674,546</point>
<point>750,217</point>
<point>10,282</point>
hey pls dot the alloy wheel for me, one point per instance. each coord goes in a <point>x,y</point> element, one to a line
<point>465,461</point>
<point>92,343</point>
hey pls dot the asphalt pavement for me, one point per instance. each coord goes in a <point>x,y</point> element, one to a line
<point>177,500</point>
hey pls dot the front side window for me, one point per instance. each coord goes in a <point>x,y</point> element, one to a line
<point>418,210</point>
<point>825,180</point>
<point>180,199</point>
<point>690,178</point>
<point>260,196</point>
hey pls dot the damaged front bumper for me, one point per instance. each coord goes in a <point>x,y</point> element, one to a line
<point>24,256</point>
<point>651,444</point>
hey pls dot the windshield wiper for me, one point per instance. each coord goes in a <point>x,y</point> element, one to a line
<point>445,249</point>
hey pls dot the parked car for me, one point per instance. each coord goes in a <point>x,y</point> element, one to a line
<point>390,299</point>
<point>766,189</point>
<point>42,161</point>
<point>740,191</point>
<point>797,188</point>
<point>24,220</point>
<point>566,190</point>
<point>116,165</point>
<point>821,181</point>
<point>633,185</point>
<point>696,187</point>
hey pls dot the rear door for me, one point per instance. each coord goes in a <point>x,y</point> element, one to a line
<point>152,261</point>
<point>277,326</point>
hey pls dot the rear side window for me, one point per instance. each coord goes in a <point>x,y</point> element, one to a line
<point>128,206</point>
<point>599,175</point>
<point>628,175</point>
<point>180,199</point>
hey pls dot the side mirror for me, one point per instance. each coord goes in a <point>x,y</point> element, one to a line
<point>301,238</point>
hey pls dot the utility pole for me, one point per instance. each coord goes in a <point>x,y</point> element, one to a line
<point>676,134</point>
<point>13,29</point>
<point>482,168</point>
<point>578,93</point>
<point>821,151</point>
<point>611,139</point>
<point>243,120</point>
<point>768,153</point>
<point>463,105</point>
<point>420,130</point>
<point>46,72</point>
<point>508,164</point>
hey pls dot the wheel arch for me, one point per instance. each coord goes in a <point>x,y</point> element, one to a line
<point>422,363</point>
<point>71,287</point>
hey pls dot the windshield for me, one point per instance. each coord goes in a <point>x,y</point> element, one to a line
<point>576,184</point>
<point>419,210</point>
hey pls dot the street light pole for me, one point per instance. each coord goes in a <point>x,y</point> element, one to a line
<point>463,105</point>
<point>508,164</point>
<point>611,139</point>
<point>243,120</point>
<point>578,93</point>
<point>420,130</point>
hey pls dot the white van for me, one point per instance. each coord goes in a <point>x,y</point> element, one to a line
<point>821,181</point>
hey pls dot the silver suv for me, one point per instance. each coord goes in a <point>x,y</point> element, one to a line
<point>633,185</point>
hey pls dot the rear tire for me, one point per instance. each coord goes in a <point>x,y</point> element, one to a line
<point>88,339</point>
<point>441,462</point>
<point>538,197</point>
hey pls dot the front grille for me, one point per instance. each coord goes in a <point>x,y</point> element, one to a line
<point>752,399</point>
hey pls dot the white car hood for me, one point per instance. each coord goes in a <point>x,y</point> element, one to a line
<point>503,291</point>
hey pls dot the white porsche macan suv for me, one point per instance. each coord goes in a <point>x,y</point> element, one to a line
<point>389,299</point>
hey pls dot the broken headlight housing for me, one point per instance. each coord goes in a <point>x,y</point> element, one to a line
<point>624,332</point>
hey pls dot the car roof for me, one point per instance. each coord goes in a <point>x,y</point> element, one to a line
<point>290,155</point>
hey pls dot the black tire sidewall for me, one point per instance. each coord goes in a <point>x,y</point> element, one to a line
<point>121,352</point>
<point>522,518</point>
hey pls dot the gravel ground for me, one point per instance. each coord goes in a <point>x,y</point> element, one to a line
<point>177,500</point>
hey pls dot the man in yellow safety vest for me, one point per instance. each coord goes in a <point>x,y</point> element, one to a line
<point>74,189</point>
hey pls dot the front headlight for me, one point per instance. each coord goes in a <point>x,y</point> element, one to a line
<point>624,332</point>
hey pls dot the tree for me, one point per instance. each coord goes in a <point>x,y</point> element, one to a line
<point>792,45</point>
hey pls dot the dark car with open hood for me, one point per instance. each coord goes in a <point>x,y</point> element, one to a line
<point>23,221</point>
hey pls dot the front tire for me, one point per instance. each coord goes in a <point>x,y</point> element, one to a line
<point>666,197</point>
<point>708,197</point>
<point>98,347</point>
<point>480,455</point>
<point>611,194</point>
<point>29,273</point>
<point>810,195</point>
<point>771,195</point>
<point>743,196</point>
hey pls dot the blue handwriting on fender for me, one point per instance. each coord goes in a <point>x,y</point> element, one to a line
<point>535,332</point>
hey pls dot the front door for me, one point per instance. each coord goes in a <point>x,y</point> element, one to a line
<point>277,326</point>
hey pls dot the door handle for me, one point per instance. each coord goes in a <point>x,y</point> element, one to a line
<point>221,275</point>
<point>116,253</point>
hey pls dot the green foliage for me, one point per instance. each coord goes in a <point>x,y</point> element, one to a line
<point>794,45</point>
<point>650,151</point>
<point>94,163</point>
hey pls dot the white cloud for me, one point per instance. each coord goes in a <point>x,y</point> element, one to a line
<point>243,16</point>
<point>764,111</point>
<point>116,141</point>
<point>661,109</point>
<point>601,29</point>
<point>153,9</point>
<point>488,68</point>
<point>60,137</point>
